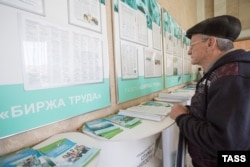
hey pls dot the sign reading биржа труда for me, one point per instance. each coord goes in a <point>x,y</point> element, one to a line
<point>47,105</point>
<point>24,110</point>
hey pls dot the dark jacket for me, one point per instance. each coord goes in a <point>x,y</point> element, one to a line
<point>219,116</point>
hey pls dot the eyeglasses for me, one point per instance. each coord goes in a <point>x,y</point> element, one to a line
<point>196,42</point>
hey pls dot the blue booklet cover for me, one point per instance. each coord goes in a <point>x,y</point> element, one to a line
<point>123,120</point>
<point>102,127</point>
<point>66,153</point>
<point>24,158</point>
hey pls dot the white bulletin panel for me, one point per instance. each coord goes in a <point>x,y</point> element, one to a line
<point>54,62</point>
<point>138,48</point>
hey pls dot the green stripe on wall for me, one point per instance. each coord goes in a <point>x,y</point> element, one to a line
<point>134,88</point>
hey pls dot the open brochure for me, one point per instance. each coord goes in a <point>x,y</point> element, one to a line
<point>66,153</point>
<point>178,96</point>
<point>102,128</point>
<point>175,95</point>
<point>152,117</point>
<point>151,110</point>
<point>123,120</point>
<point>26,157</point>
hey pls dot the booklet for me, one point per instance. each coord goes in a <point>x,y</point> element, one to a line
<point>148,116</point>
<point>26,157</point>
<point>179,96</point>
<point>123,120</point>
<point>67,153</point>
<point>102,128</point>
<point>152,107</point>
<point>151,110</point>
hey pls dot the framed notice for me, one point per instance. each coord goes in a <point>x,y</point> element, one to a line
<point>152,63</point>
<point>129,60</point>
<point>133,22</point>
<point>34,6</point>
<point>64,57</point>
<point>85,14</point>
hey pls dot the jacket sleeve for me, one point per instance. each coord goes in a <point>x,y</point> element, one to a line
<point>226,125</point>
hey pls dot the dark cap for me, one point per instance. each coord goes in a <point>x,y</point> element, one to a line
<point>224,26</point>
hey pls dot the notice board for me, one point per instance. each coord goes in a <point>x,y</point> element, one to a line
<point>138,48</point>
<point>54,62</point>
<point>177,62</point>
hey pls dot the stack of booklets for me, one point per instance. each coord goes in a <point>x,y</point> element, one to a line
<point>67,153</point>
<point>123,120</point>
<point>178,96</point>
<point>110,126</point>
<point>191,86</point>
<point>151,110</point>
<point>63,153</point>
<point>26,157</point>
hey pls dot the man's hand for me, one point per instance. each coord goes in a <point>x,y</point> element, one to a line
<point>178,109</point>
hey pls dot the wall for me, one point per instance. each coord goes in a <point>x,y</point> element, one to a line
<point>185,14</point>
<point>237,8</point>
<point>245,44</point>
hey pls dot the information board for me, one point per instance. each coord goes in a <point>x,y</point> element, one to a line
<point>177,63</point>
<point>138,48</point>
<point>54,66</point>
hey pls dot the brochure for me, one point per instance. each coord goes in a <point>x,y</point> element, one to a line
<point>152,107</point>
<point>26,157</point>
<point>151,110</point>
<point>66,153</point>
<point>178,96</point>
<point>101,127</point>
<point>148,116</point>
<point>123,120</point>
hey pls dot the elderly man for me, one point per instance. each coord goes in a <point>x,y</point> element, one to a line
<point>218,118</point>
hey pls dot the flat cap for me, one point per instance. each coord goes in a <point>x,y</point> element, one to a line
<point>225,26</point>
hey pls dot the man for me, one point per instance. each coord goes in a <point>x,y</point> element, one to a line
<point>219,115</point>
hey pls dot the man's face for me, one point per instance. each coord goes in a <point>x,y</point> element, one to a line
<point>197,50</point>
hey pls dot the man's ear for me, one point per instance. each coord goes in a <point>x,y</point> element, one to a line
<point>211,41</point>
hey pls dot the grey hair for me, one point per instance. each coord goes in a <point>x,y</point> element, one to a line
<point>223,44</point>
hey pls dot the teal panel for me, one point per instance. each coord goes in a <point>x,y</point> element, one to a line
<point>173,80</point>
<point>186,78</point>
<point>135,88</point>
<point>22,110</point>
<point>194,77</point>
